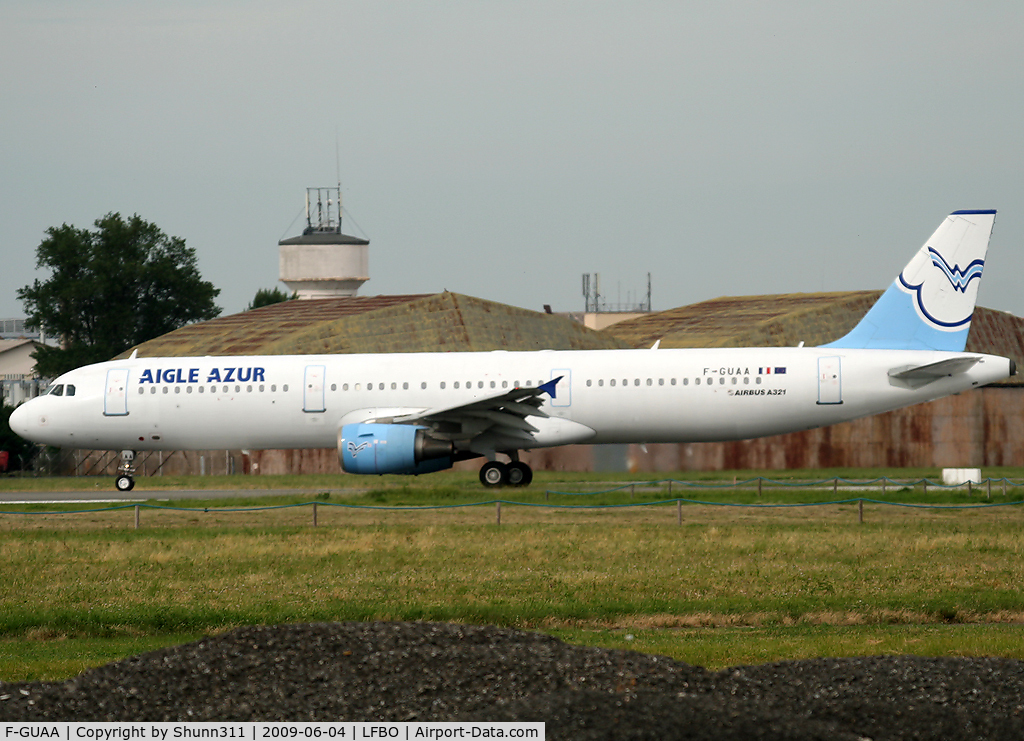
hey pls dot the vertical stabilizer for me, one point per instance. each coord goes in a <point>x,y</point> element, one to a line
<point>929,305</point>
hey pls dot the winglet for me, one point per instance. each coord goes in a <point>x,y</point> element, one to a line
<point>135,352</point>
<point>549,387</point>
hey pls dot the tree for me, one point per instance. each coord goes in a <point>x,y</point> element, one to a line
<point>268,296</point>
<point>112,288</point>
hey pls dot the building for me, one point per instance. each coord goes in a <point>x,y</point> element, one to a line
<point>18,378</point>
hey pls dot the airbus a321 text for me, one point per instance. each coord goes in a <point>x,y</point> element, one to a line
<point>418,413</point>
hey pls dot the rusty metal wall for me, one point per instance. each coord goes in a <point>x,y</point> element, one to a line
<point>975,429</point>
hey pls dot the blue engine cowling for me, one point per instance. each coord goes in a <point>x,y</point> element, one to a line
<point>381,448</point>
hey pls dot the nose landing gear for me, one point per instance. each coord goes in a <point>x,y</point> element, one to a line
<point>125,481</point>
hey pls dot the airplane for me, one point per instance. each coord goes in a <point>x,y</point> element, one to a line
<point>419,413</point>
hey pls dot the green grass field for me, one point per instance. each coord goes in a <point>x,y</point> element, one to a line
<point>727,586</point>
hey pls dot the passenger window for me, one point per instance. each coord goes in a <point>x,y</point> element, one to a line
<point>142,390</point>
<point>285,387</point>
<point>369,386</point>
<point>734,381</point>
<point>625,381</point>
<point>423,384</point>
<point>636,381</point>
<point>611,382</point>
<point>188,389</point>
<point>405,386</point>
<point>661,381</point>
<point>696,382</point>
<point>225,389</point>
<point>721,381</point>
<point>758,380</point>
<point>589,382</point>
<point>238,389</point>
<point>456,384</point>
<point>504,384</point>
<point>493,384</point>
<point>344,387</point>
<point>177,389</point>
<point>165,389</point>
<point>334,387</point>
<point>650,382</point>
<point>273,387</point>
<point>261,388</point>
<point>480,384</point>
<point>380,386</point>
<point>202,389</point>
<point>686,381</point>
<point>746,380</point>
<point>153,390</point>
<point>248,389</point>
<point>442,384</point>
<point>673,381</point>
<point>600,382</point>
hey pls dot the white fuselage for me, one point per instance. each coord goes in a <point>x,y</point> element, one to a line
<point>605,396</point>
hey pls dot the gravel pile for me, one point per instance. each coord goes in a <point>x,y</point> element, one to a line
<point>431,671</point>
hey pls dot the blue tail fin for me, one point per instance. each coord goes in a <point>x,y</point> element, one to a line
<point>929,306</point>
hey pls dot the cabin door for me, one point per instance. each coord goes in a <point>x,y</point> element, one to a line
<point>115,394</point>
<point>563,389</point>
<point>313,389</point>
<point>830,381</point>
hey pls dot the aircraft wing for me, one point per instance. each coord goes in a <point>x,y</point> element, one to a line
<point>503,415</point>
<point>921,375</point>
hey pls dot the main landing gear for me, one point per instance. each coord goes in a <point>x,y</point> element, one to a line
<point>124,480</point>
<point>495,473</point>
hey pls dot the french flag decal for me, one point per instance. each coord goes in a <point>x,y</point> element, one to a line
<point>772,371</point>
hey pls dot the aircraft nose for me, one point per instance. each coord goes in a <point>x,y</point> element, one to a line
<point>19,421</point>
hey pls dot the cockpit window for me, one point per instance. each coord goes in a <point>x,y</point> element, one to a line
<point>69,390</point>
<point>57,390</point>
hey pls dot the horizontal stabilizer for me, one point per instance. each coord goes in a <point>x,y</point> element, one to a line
<point>921,375</point>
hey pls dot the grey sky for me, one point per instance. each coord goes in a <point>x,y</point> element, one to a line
<point>502,149</point>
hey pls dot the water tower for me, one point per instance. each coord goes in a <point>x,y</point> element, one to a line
<point>322,262</point>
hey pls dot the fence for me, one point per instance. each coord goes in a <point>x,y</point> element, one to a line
<point>760,482</point>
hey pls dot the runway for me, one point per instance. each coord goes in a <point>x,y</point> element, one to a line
<point>112,496</point>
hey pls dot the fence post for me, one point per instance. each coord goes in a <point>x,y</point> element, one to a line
<point>925,481</point>
<point>883,486</point>
<point>860,511</point>
<point>631,488</point>
<point>988,488</point>
<point>1004,486</point>
<point>670,487</point>
<point>970,488</point>
<point>136,517</point>
<point>835,487</point>
<point>314,514</point>
<point>759,479</point>
<point>498,511</point>
<point>679,510</point>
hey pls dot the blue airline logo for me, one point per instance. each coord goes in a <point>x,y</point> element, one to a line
<point>191,375</point>
<point>958,277</point>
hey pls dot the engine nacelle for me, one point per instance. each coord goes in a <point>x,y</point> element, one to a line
<point>380,448</point>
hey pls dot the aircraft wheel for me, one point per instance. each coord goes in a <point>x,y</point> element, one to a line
<point>519,474</point>
<point>493,474</point>
<point>124,483</point>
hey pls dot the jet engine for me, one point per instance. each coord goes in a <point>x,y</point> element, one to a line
<point>383,448</point>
